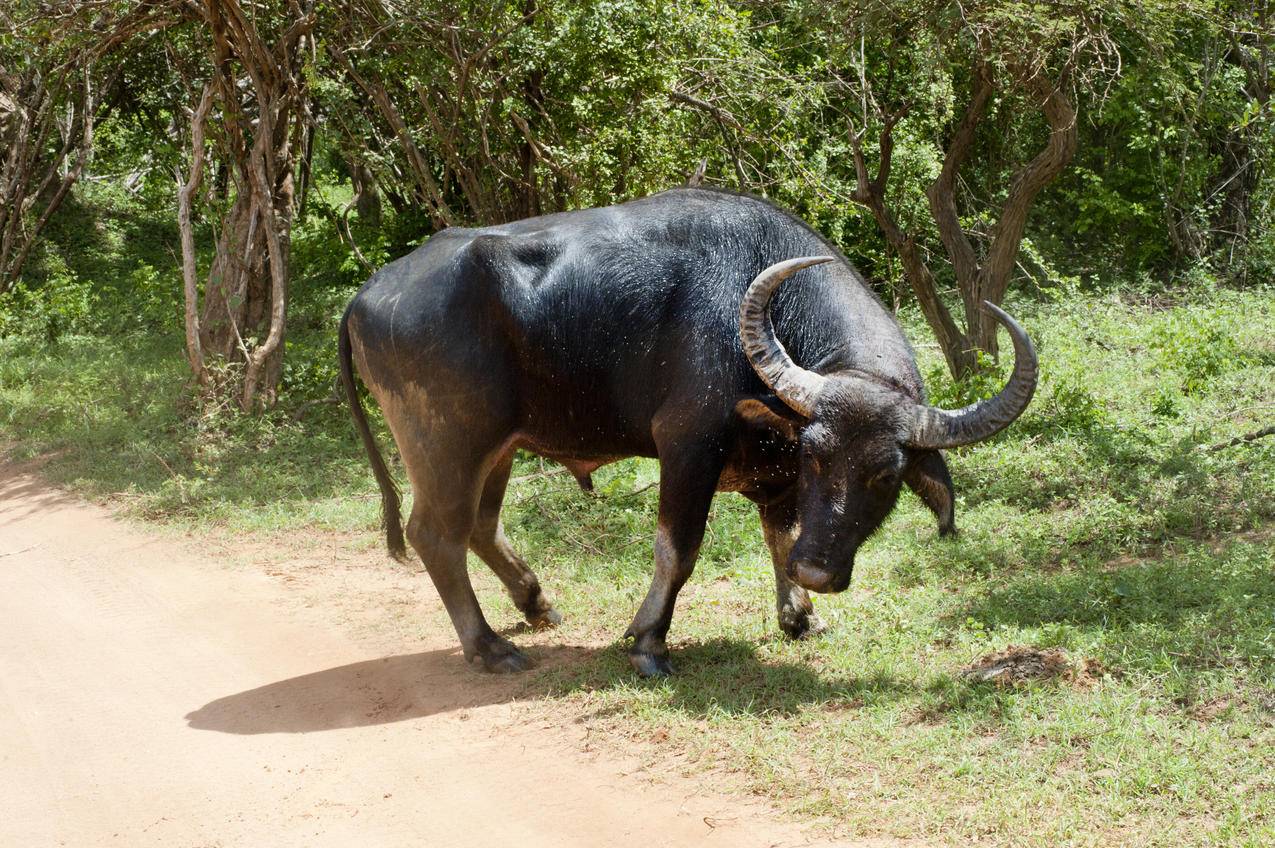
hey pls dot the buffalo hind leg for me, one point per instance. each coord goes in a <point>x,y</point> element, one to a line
<point>442,550</point>
<point>797,617</point>
<point>488,541</point>
<point>446,485</point>
<point>687,485</point>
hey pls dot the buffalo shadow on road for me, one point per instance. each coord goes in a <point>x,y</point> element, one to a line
<point>409,686</point>
<point>361,694</point>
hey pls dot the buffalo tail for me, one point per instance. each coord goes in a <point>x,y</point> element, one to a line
<point>390,510</point>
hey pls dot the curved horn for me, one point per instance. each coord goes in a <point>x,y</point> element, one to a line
<point>794,385</point>
<point>939,428</point>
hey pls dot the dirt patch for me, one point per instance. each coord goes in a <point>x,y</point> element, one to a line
<point>1019,664</point>
<point>160,693</point>
<point>1210,710</point>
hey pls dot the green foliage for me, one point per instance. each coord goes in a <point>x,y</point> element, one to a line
<point>948,392</point>
<point>1164,96</point>
<point>121,414</point>
<point>62,304</point>
<point>115,259</point>
<point>1150,174</point>
<point>1196,349</point>
<point>1071,404</point>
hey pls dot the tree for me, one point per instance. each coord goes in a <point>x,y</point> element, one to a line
<point>946,120</point>
<point>998,57</point>
<point>930,140</point>
<point>1250,42</point>
<point>256,86</point>
<point>484,114</point>
<point>50,98</point>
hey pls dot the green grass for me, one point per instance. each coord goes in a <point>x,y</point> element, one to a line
<point>1096,524</point>
<point>101,382</point>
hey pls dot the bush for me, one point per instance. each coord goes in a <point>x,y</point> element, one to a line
<point>1194,348</point>
<point>61,304</point>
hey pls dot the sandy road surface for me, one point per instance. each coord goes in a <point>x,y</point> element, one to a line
<point>151,696</point>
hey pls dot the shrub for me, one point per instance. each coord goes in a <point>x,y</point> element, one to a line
<point>61,304</point>
<point>1194,348</point>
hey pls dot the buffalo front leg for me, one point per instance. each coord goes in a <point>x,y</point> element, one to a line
<point>797,618</point>
<point>488,541</point>
<point>687,485</point>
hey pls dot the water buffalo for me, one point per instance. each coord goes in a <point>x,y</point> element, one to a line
<point>655,328</point>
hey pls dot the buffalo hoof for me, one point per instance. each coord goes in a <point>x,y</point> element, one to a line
<point>798,625</point>
<point>650,665</point>
<point>500,656</point>
<point>544,619</point>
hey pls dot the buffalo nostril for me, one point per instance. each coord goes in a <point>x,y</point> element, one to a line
<point>795,565</point>
<point>813,576</point>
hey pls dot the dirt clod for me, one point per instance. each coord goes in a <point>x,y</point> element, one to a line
<point>1211,709</point>
<point>1019,664</point>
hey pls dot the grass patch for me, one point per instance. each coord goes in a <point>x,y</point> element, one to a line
<point>1096,525</point>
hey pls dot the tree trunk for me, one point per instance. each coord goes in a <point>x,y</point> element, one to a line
<point>261,94</point>
<point>367,199</point>
<point>190,274</point>
<point>1239,173</point>
<point>978,278</point>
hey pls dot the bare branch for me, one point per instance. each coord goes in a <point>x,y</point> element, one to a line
<point>1239,440</point>
<point>720,114</point>
<point>1007,234</point>
<point>942,192</point>
<point>194,348</point>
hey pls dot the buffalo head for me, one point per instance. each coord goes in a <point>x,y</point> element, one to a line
<point>861,438</point>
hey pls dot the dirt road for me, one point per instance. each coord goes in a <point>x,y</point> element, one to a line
<point>153,696</point>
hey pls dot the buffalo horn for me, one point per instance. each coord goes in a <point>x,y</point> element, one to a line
<point>934,428</point>
<point>793,384</point>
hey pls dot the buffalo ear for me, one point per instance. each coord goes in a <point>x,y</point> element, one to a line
<point>927,475</point>
<point>770,413</point>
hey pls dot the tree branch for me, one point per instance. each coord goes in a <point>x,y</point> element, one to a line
<point>441,212</point>
<point>871,194</point>
<point>194,350</point>
<point>1239,440</point>
<point>942,192</point>
<point>87,108</point>
<point>704,106</point>
<point>1007,234</point>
